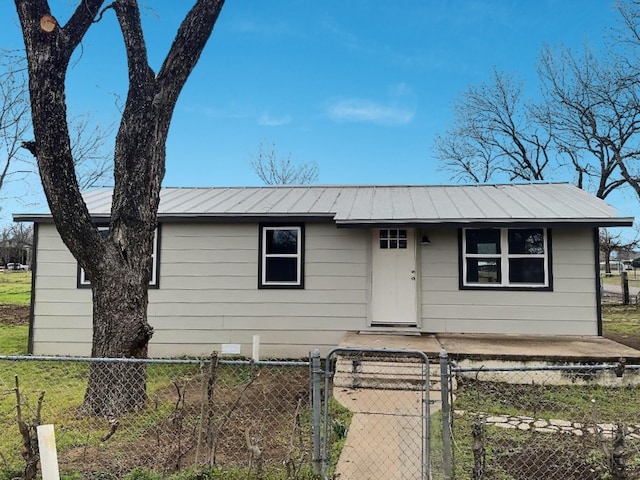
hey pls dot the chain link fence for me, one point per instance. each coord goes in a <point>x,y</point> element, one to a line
<point>376,417</point>
<point>554,422</point>
<point>359,414</point>
<point>119,418</point>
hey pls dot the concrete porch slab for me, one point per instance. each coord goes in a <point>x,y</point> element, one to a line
<point>527,348</point>
<point>387,340</point>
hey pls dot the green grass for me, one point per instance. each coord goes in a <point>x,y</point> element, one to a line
<point>15,288</point>
<point>627,313</point>
<point>509,452</point>
<point>78,435</point>
<point>627,328</point>
<point>621,320</point>
<point>213,474</point>
<point>13,339</point>
<point>564,402</point>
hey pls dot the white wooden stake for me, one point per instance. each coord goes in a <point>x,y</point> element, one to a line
<point>256,348</point>
<point>48,452</point>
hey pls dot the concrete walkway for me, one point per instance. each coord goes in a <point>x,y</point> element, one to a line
<point>385,435</point>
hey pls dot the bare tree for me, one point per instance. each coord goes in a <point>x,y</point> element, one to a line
<point>119,265</point>
<point>88,142</point>
<point>615,243</point>
<point>14,114</point>
<point>274,170</point>
<point>15,242</point>
<point>494,135</point>
<point>584,128</point>
<point>89,148</point>
<point>593,112</point>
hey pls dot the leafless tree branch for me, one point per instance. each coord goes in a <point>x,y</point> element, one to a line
<point>275,170</point>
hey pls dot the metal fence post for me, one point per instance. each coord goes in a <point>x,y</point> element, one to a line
<point>447,463</point>
<point>316,379</point>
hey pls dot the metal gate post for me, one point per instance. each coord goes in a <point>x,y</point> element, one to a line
<point>426,422</point>
<point>328,376</point>
<point>447,464</point>
<point>316,402</point>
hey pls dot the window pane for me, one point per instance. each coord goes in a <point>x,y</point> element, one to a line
<point>282,269</point>
<point>402,244</point>
<point>402,234</point>
<point>485,241</point>
<point>483,270</point>
<point>384,233</point>
<point>282,241</point>
<point>526,241</point>
<point>526,270</point>
<point>393,244</point>
<point>384,244</point>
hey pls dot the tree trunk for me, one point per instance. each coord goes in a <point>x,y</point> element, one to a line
<point>121,332</point>
<point>118,266</point>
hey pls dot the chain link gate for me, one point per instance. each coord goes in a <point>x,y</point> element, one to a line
<point>375,414</point>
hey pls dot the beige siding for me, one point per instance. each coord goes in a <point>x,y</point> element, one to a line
<point>208,293</point>
<point>570,309</point>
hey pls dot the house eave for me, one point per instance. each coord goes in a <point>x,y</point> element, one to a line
<point>195,218</point>
<point>488,222</point>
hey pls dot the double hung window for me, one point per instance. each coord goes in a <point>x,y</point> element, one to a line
<point>505,257</point>
<point>281,256</point>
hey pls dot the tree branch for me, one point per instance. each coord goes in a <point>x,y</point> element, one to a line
<point>140,74</point>
<point>80,22</point>
<point>186,49</point>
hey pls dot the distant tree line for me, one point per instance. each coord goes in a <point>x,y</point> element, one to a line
<point>16,243</point>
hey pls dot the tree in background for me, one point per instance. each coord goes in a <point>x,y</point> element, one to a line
<point>494,134</point>
<point>592,109</point>
<point>88,142</point>
<point>585,127</point>
<point>14,115</point>
<point>274,170</point>
<point>615,243</point>
<point>16,241</point>
<point>119,264</point>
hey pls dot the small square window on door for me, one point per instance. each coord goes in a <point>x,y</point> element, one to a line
<point>393,238</point>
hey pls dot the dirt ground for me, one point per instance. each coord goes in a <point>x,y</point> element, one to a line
<point>13,315</point>
<point>270,412</point>
<point>629,340</point>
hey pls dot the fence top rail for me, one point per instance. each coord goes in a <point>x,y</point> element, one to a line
<point>578,368</point>
<point>159,361</point>
<point>378,351</point>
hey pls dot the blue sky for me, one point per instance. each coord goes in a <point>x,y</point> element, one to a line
<point>360,86</point>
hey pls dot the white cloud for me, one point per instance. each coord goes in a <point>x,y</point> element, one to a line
<point>401,90</point>
<point>266,119</point>
<point>359,110</point>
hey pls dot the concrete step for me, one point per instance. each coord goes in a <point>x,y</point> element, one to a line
<point>383,374</point>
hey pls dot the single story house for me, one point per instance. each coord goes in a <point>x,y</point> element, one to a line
<point>302,265</point>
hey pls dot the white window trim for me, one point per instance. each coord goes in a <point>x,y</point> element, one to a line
<point>83,281</point>
<point>504,257</point>
<point>297,255</point>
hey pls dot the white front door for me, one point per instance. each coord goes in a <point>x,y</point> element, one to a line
<point>393,277</point>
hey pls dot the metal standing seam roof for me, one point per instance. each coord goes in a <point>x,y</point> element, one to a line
<point>392,204</point>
